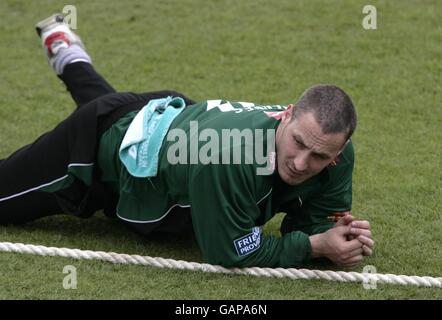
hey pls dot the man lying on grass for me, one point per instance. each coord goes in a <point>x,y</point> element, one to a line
<point>161,162</point>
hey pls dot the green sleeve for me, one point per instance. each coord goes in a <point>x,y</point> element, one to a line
<point>333,196</point>
<point>224,210</point>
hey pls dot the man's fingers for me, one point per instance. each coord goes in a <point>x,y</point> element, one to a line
<point>362,224</point>
<point>366,251</point>
<point>352,245</point>
<point>360,232</point>
<point>342,230</point>
<point>354,253</point>
<point>368,245</point>
<point>353,261</point>
<point>366,241</point>
<point>350,237</point>
<point>345,220</point>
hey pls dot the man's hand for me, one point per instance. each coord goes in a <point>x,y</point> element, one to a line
<point>334,245</point>
<point>360,230</point>
<point>346,244</point>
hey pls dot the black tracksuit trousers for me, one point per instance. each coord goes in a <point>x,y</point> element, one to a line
<point>74,140</point>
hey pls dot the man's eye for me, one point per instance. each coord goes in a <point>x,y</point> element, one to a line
<point>320,156</point>
<point>299,144</point>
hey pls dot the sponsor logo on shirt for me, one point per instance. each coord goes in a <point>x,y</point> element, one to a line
<point>238,107</point>
<point>249,243</point>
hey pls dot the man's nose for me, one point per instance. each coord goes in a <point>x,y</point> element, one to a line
<point>301,161</point>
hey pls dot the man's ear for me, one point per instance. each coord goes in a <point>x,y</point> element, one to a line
<point>343,147</point>
<point>287,116</point>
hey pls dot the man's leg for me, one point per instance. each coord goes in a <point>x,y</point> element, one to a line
<point>25,174</point>
<point>57,173</point>
<point>28,207</point>
<point>68,57</point>
<point>84,83</point>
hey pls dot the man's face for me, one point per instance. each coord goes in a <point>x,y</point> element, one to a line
<point>302,149</point>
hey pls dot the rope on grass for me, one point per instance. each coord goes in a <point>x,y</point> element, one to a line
<point>340,276</point>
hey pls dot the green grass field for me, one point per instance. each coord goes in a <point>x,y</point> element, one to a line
<point>260,51</point>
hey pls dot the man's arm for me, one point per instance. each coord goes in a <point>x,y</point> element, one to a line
<point>224,210</point>
<point>328,239</point>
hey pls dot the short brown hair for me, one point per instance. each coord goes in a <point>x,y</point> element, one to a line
<point>332,108</point>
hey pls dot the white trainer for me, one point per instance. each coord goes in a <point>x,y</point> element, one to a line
<point>61,45</point>
<point>56,34</point>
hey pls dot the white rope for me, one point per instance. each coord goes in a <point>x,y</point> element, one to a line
<point>291,273</point>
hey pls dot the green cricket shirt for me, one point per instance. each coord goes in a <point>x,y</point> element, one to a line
<point>228,200</point>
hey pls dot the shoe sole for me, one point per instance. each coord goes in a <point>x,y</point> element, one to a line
<point>56,18</point>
